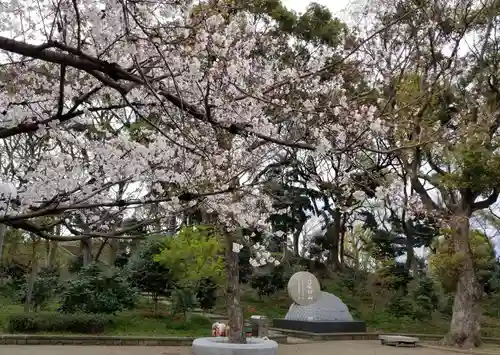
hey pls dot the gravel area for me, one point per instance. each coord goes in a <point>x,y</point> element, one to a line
<point>317,348</point>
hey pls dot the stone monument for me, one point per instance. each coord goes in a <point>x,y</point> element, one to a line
<point>316,311</point>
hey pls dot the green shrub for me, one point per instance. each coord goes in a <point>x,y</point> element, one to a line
<point>45,288</point>
<point>425,297</point>
<point>56,322</point>
<point>148,275</point>
<point>206,294</point>
<point>75,264</point>
<point>93,290</point>
<point>399,305</point>
<point>12,278</point>
<point>268,284</point>
<point>183,301</point>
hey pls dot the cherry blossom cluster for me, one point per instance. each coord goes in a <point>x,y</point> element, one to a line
<point>261,256</point>
<point>208,101</point>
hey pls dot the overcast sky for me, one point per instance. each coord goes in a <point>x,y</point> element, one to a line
<point>300,5</point>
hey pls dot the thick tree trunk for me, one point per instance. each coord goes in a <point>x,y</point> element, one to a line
<point>47,252</point>
<point>342,242</point>
<point>411,261</point>
<point>296,236</point>
<point>30,285</point>
<point>53,253</point>
<point>155,304</point>
<point>235,315</point>
<point>86,250</point>
<point>53,248</point>
<point>333,239</point>
<point>465,327</point>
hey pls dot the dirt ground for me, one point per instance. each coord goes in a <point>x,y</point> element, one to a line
<point>317,348</point>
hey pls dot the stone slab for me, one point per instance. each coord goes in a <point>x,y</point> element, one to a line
<point>220,346</point>
<point>398,340</point>
<point>320,327</point>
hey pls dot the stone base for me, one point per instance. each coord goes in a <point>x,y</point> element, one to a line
<point>321,327</point>
<point>220,346</point>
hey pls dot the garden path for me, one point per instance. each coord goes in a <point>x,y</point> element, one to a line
<point>316,348</point>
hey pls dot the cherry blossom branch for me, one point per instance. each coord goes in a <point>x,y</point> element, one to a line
<point>491,199</point>
<point>27,127</point>
<point>110,73</point>
<point>56,208</point>
<point>32,228</point>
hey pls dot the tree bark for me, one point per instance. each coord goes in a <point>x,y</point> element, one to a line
<point>296,237</point>
<point>343,231</point>
<point>32,276</point>
<point>86,250</point>
<point>54,245</point>
<point>333,239</point>
<point>47,252</point>
<point>235,315</point>
<point>411,261</point>
<point>465,327</point>
<point>3,231</point>
<point>155,304</point>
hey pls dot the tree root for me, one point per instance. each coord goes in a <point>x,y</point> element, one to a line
<point>462,342</point>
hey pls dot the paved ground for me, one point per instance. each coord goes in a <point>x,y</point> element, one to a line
<point>319,348</point>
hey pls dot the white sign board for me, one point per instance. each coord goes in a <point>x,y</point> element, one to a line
<point>304,288</point>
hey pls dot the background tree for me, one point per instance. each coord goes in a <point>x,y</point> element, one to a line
<point>94,290</point>
<point>445,263</point>
<point>431,99</point>
<point>194,254</point>
<point>149,275</point>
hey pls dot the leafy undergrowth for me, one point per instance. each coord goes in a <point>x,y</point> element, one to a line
<point>143,322</point>
<point>139,322</point>
<point>384,322</point>
<point>271,307</point>
<point>276,306</point>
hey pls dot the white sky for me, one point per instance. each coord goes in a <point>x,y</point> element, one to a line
<point>335,6</point>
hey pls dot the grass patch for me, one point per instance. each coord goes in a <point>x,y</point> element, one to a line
<point>138,322</point>
<point>384,322</point>
<point>130,323</point>
<point>143,322</point>
<point>127,324</point>
<point>275,306</point>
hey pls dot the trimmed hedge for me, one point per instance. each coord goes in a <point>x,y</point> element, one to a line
<point>56,322</point>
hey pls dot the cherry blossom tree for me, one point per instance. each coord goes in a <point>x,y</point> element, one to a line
<point>134,103</point>
<point>436,74</point>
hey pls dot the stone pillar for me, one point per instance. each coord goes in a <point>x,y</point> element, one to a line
<point>260,326</point>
